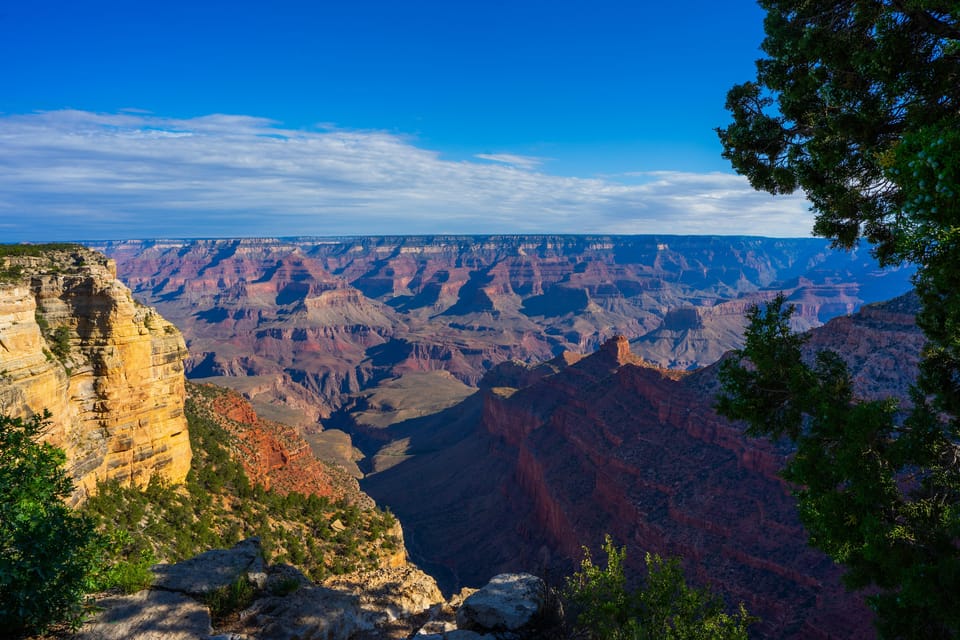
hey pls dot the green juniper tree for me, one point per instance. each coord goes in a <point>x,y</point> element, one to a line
<point>857,104</point>
<point>47,551</point>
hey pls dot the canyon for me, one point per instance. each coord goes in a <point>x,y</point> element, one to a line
<point>303,325</point>
<point>550,457</point>
<point>511,399</point>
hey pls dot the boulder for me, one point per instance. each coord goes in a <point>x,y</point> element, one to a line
<point>148,615</point>
<point>310,613</point>
<point>214,569</point>
<point>397,592</point>
<point>509,602</point>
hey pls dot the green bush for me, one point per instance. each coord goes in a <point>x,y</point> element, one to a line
<point>125,564</point>
<point>665,608</point>
<point>60,343</point>
<point>47,551</point>
<point>230,599</point>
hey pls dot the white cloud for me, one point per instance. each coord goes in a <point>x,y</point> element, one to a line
<point>81,175</point>
<point>524,162</point>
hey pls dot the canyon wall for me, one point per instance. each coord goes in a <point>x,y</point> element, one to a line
<point>547,458</point>
<point>325,319</point>
<point>109,370</point>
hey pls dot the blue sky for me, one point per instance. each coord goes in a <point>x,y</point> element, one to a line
<point>134,119</point>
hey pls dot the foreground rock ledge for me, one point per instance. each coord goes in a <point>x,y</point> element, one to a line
<point>384,603</point>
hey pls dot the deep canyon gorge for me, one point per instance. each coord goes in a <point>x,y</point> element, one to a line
<point>510,398</point>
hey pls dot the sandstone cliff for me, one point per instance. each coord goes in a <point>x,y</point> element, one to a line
<point>110,370</point>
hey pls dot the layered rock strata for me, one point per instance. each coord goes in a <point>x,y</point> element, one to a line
<point>109,370</point>
<point>609,444</point>
<point>329,318</point>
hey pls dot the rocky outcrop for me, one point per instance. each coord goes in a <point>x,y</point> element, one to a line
<point>274,455</point>
<point>282,604</point>
<point>109,370</point>
<point>509,602</point>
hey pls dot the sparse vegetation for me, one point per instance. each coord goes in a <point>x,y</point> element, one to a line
<point>60,342</point>
<point>37,250</point>
<point>11,273</point>
<point>664,608</point>
<point>230,599</point>
<point>218,506</point>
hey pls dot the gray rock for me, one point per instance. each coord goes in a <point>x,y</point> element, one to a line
<point>395,591</point>
<point>463,634</point>
<point>148,615</point>
<point>435,629</point>
<point>507,603</point>
<point>213,570</point>
<point>310,613</point>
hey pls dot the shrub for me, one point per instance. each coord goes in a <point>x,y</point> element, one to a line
<point>230,599</point>
<point>47,551</point>
<point>665,608</point>
<point>60,344</point>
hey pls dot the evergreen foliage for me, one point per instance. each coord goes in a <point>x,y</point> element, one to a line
<point>858,104</point>
<point>47,551</point>
<point>665,608</point>
<point>218,506</point>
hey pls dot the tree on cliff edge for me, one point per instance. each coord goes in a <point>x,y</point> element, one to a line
<point>47,551</point>
<point>857,104</point>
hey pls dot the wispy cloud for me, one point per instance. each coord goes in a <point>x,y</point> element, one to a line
<point>524,162</point>
<point>81,175</point>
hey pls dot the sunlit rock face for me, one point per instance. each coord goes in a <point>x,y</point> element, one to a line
<point>108,369</point>
<point>324,319</point>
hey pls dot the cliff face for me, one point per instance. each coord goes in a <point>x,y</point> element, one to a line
<point>109,370</point>
<point>610,444</point>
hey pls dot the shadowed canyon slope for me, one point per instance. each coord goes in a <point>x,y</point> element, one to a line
<point>547,458</point>
<point>316,320</point>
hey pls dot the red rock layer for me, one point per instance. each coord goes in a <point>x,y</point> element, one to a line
<point>274,455</point>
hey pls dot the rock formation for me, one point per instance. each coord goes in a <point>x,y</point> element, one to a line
<point>325,319</point>
<point>546,459</point>
<point>274,455</point>
<point>282,604</point>
<point>109,370</point>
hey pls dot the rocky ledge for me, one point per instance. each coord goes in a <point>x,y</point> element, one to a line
<point>187,602</point>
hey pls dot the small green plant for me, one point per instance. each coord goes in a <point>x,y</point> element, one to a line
<point>285,587</point>
<point>665,608</point>
<point>41,321</point>
<point>124,564</point>
<point>230,599</point>
<point>60,342</point>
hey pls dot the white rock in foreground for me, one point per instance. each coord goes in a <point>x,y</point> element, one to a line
<point>508,602</point>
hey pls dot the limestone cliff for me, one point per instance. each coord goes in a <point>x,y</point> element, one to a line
<point>109,370</point>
